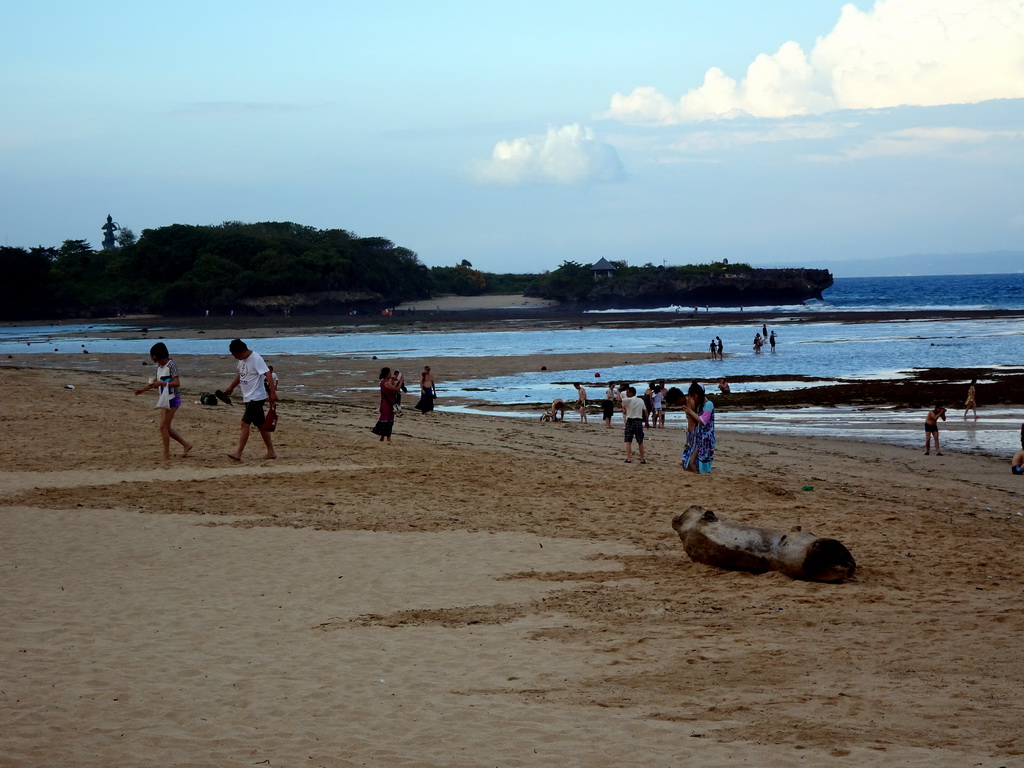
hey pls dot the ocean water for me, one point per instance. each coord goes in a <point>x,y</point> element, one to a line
<point>925,292</point>
<point>912,293</point>
<point>851,350</point>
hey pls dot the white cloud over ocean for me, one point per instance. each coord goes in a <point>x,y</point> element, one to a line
<point>572,154</point>
<point>899,53</point>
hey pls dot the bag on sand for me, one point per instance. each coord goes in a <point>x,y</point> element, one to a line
<point>270,423</point>
<point>208,399</point>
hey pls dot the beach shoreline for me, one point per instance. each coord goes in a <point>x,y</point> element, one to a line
<point>467,313</point>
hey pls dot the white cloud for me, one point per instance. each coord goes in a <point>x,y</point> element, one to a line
<point>901,52</point>
<point>571,154</point>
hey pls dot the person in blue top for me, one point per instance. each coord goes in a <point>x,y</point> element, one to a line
<point>700,450</point>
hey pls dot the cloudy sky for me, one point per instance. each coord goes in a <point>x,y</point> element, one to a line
<point>519,135</point>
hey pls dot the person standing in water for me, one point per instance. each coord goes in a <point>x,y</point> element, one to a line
<point>971,404</point>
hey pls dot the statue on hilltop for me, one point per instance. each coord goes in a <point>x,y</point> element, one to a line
<point>108,233</point>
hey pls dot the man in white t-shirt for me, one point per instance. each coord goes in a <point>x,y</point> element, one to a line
<point>258,384</point>
<point>634,409</point>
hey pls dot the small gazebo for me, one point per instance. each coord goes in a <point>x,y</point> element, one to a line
<point>602,268</point>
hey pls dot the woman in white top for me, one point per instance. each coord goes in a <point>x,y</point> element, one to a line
<point>167,381</point>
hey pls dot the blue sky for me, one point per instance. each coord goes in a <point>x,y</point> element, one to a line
<point>520,135</point>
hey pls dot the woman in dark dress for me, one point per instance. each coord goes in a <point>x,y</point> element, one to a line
<point>427,394</point>
<point>388,391</point>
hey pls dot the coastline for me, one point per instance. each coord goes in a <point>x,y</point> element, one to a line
<point>462,313</point>
<point>481,572</point>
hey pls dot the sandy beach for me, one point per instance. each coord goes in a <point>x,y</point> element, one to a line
<point>472,303</point>
<point>485,591</point>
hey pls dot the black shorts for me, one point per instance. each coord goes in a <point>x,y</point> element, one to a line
<point>931,428</point>
<point>254,413</point>
<point>634,428</point>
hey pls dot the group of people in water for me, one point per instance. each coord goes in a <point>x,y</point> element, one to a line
<point>762,338</point>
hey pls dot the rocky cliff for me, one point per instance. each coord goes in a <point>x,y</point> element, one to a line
<point>665,287</point>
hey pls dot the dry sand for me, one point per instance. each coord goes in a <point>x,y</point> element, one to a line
<point>484,592</point>
<point>490,302</point>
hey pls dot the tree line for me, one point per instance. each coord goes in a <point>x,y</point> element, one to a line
<point>186,270</point>
<point>182,269</point>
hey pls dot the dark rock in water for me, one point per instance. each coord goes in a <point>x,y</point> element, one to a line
<point>662,288</point>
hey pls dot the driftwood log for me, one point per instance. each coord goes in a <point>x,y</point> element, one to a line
<point>735,546</point>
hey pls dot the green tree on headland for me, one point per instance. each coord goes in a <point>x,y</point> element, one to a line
<point>282,266</point>
<point>574,283</point>
<point>181,269</point>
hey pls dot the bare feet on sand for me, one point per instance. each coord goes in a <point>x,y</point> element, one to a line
<point>233,457</point>
<point>188,448</point>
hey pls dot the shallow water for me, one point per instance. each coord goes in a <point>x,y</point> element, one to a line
<point>805,348</point>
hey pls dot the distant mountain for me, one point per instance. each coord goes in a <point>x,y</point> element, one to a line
<point>990,263</point>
